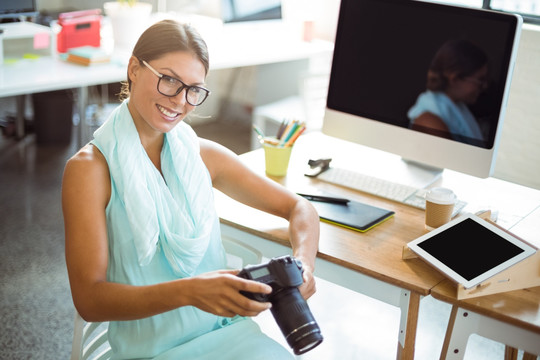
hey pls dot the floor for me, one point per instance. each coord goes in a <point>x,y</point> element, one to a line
<point>35,302</point>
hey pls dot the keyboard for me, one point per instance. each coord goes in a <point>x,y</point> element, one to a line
<point>401,193</point>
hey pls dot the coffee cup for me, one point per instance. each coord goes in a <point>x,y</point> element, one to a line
<point>439,206</point>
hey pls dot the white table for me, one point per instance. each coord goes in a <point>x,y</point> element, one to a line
<point>49,73</point>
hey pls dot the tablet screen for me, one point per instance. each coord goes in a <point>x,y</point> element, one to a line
<point>470,250</point>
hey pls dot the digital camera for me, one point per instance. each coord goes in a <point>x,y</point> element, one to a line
<point>290,310</point>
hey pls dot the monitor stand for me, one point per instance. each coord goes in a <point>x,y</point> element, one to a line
<point>419,175</point>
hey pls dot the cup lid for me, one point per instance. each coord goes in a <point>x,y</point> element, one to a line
<point>441,195</point>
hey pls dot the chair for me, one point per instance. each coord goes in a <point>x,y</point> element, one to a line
<point>90,338</point>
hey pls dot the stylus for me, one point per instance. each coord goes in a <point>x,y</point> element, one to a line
<point>328,199</point>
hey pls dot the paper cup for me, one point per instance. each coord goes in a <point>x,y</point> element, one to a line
<point>439,206</point>
<point>276,159</point>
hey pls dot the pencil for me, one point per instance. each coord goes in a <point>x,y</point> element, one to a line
<point>281,129</point>
<point>295,136</point>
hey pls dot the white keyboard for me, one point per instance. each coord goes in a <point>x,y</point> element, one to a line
<point>404,194</point>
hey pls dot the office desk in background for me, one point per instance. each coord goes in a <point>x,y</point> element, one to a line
<point>370,263</point>
<point>276,57</point>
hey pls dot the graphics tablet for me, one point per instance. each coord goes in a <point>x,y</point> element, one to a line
<point>352,214</point>
<point>470,250</point>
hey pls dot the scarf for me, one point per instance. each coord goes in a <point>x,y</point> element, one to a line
<point>174,211</point>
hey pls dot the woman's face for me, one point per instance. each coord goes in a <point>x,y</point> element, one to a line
<point>153,111</point>
<point>468,89</point>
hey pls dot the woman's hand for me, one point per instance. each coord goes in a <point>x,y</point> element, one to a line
<point>218,293</point>
<point>308,288</point>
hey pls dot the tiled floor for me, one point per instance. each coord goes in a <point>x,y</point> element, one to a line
<point>35,305</point>
<point>358,327</point>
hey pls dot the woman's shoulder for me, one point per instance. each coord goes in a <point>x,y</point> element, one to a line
<point>88,155</point>
<point>88,162</point>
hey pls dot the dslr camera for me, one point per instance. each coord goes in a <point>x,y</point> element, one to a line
<point>290,310</point>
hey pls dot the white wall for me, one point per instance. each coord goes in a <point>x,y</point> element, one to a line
<point>519,151</point>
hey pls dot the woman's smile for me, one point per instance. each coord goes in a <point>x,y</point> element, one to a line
<point>169,114</point>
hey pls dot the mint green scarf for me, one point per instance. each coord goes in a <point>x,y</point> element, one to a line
<point>174,211</point>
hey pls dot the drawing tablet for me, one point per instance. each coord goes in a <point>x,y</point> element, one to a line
<point>353,215</point>
<point>470,250</point>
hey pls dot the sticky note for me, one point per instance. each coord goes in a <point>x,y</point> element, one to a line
<point>41,40</point>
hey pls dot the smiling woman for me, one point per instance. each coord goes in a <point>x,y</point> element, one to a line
<point>143,242</point>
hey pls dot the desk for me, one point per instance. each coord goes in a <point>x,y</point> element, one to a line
<point>512,318</point>
<point>370,263</point>
<point>49,73</point>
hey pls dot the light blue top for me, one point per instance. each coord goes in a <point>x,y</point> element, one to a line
<point>457,116</point>
<point>161,228</point>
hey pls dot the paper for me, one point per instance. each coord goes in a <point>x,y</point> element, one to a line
<point>41,40</point>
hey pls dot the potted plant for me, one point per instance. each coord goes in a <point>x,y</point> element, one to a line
<point>128,18</point>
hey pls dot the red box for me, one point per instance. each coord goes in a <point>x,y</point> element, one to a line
<point>79,28</point>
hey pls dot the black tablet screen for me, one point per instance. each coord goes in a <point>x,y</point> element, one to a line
<point>470,249</point>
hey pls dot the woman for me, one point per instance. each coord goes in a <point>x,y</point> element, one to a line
<point>143,247</point>
<point>456,78</point>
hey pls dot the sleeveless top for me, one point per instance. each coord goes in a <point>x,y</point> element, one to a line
<point>161,228</point>
<point>457,116</point>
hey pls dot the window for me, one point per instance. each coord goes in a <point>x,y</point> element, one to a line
<point>529,9</point>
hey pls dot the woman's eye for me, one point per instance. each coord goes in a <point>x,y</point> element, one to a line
<point>170,81</point>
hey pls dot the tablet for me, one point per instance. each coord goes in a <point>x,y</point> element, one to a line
<point>470,250</point>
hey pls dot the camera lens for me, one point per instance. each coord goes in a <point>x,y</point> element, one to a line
<point>295,320</point>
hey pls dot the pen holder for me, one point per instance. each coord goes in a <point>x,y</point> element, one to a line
<point>276,159</point>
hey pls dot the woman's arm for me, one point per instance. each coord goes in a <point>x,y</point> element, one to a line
<point>86,191</point>
<point>431,124</point>
<point>233,178</point>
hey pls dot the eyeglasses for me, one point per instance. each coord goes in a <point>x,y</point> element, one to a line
<point>169,86</point>
<point>480,82</point>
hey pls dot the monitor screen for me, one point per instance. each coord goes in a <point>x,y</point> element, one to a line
<point>426,81</point>
<point>16,8</point>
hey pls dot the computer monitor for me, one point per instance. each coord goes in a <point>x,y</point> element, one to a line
<point>426,81</point>
<point>17,8</point>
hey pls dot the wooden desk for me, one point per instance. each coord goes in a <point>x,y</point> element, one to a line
<point>512,318</point>
<point>370,263</point>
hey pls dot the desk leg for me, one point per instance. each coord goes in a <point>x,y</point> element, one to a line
<point>459,343</point>
<point>463,323</point>
<point>410,305</point>
<point>81,106</point>
<point>510,353</point>
<point>20,130</point>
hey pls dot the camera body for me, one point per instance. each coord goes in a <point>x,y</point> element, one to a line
<point>290,310</point>
<point>279,273</point>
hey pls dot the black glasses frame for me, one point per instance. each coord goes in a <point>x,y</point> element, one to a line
<point>161,76</point>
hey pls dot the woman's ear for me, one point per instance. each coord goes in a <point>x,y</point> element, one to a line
<point>452,77</point>
<point>133,68</point>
